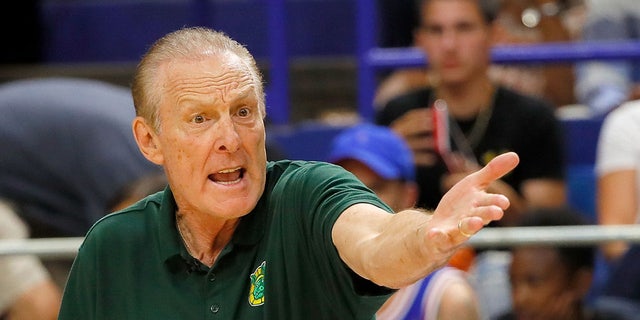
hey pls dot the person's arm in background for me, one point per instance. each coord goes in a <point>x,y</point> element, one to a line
<point>395,250</point>
<point>459,302</point>
<point>40,301</point>
<point>617,204</point>
<point>616,168</point>
<point>27,291</point>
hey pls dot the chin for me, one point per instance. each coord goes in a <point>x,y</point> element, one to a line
<point>236,208</point>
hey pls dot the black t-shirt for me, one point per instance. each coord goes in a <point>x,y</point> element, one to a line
<point>519,123</point>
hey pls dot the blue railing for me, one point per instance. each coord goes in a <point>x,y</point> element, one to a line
<point>371,58</point>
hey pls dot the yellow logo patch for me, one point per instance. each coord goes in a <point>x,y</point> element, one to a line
<point>256,292</point>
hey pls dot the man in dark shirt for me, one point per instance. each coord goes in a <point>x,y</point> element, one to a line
<point>478,120</point>
<point>485,119</point>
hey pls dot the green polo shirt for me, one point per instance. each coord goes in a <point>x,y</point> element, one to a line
<point>280,264</point>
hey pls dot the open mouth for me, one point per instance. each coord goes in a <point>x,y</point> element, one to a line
<point>228,176</point>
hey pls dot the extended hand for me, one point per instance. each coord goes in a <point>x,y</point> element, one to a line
<point>467,206</point>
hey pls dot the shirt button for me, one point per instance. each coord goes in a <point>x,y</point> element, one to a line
<point>214,308</point>
<point>212,277</point>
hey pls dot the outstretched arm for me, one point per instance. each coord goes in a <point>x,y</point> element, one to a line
<point>395,250</point>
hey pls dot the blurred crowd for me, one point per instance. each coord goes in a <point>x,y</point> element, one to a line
<point>69,157</point>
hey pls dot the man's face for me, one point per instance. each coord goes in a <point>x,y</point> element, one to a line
<point>212,136</point>
<point>456,39</point>
<point>541,286</point>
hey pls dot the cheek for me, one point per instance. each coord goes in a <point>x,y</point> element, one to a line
<point>179,149</point>
<point>480,50</point>
<point>434,50</point>
<point>255,139</point>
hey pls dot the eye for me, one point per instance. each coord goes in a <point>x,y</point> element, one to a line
<point>431,30</point>
<point>244,112</point>
<point>198,118</point>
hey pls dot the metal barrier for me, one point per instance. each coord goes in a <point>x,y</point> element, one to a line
<point>486,238</point>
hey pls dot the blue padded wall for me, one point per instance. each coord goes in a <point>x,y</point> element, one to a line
<point>116,31</point>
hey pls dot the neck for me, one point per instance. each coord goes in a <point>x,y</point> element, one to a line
<point>466,101</point>
<point>203,236</point>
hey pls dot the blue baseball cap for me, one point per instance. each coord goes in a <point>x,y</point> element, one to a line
<point>378,147</point>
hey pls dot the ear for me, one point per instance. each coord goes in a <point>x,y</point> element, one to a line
<point>418,38</point>
<point>147,141</point>
<point>582,281</point>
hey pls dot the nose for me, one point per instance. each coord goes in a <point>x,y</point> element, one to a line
<point>449,39</point>
<point>227,138</point>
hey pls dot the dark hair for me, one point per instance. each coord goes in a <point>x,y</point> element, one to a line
<point>575,257</point>
<point>489,8</point>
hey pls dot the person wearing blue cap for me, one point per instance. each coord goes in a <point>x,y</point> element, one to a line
<point>382,160</point>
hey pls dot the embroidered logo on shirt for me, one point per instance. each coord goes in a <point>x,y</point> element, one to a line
<point>256,292</point>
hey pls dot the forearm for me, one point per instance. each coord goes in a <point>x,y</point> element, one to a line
<point>390,250</point>
<point>395,250</point>
<point>616,205</point>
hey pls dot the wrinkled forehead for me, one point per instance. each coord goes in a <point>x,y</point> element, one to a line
<point>208,73</point>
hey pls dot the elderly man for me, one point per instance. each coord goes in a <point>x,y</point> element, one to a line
<point>237,237</point>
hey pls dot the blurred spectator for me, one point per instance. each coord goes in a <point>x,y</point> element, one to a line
<point>68,149</point>
<point>604,85</point>
<point>621,292</point>
<point>27,291</point>
<point>485,118</point>
<point>551,282</point>
<point>618,172</point>
<point>381,160</point>
<point>384,163</point>
<point>517,22</point>
<point>482,119</point>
